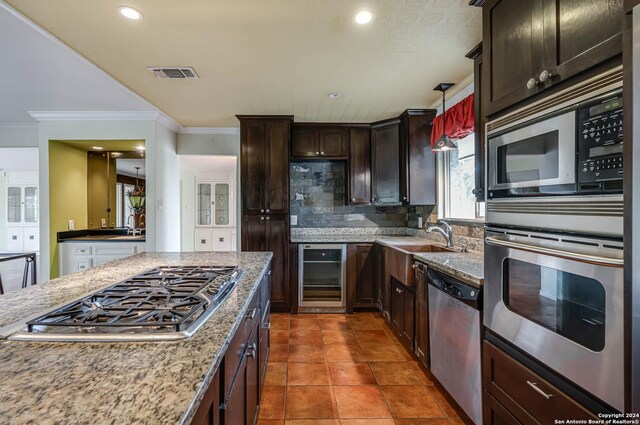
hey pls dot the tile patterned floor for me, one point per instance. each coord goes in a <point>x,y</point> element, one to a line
<point>334,369</point>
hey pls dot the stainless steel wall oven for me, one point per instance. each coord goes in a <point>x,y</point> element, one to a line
<point>559,298</point>
<point>554,283</point>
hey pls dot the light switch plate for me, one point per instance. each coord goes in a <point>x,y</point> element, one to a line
<point>294,220</point>
<point>72,225</point>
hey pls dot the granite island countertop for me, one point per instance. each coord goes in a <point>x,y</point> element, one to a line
<point>466,266</point>
<point>117,383</point>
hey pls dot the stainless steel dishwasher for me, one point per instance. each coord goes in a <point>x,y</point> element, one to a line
<point>322,275</point>
<point>454,332</point>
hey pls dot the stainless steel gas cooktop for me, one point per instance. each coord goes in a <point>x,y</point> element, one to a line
<point>165,303</point>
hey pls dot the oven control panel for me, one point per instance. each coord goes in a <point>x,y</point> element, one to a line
<point>600,141</point>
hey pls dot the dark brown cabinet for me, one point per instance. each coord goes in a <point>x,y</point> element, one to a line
<point>476,55</point>
<point>264,164</point>
<point>361,283</point>
<point>271,233</point>
<point>208,412</point>
<point>422,314</point>
<point>234,394</point>
<point>377,252</point>
<point>403,313</point>
<point>417,160</point>
<point>516,391</point>
<point>385,163</point>
<point>530,46</point>
<point>264,142</point>
<point>320,142</point>
<point>359,166</point>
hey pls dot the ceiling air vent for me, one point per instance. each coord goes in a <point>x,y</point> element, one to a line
<point>173,72</point>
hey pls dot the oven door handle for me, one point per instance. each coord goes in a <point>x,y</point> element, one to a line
<point>567,255</point>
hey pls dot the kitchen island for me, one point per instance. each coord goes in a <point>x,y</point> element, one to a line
<point>123,383</point>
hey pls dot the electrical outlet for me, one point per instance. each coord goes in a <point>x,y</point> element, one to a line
<point>294,220</point>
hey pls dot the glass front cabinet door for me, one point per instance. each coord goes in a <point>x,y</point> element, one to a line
<point>205,204</point>
<point>22,204</point>
<point>214,204</point>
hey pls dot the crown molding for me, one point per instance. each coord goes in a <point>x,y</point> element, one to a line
<point>209,130</point>
<point>94,115</point>
<point>158,116</point>
<point>18,126</point>
<point>168,122</point>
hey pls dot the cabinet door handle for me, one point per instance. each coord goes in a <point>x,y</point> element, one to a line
<point>268,211</point>
<point>532,83</point>
<point>538,390</point>
<point>262,211</point>
<point>545,75</point>
<point>261,218</point>
<point>317,153</point>
<point>414,266</point>
<point>404,198</point>
<point>266,326</point>
<point>268,218</point>
<point>321,153</point>
<point>353,199</point>
<point>252,314</point>
<point>251,352</point>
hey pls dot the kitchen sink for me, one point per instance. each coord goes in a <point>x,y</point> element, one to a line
<point>399,260</point>
<point>421,248</point>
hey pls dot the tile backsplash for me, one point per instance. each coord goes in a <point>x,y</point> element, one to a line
<point>318,194</point>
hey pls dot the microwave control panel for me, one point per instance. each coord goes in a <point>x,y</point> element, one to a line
<point>600,142</point>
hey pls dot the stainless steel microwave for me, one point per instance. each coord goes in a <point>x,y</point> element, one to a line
<point>558,164</point>
<point>575,150</point>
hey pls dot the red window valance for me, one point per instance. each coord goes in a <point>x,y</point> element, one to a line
<point>460,121</point>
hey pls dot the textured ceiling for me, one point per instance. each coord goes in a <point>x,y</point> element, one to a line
<point>273,56</point>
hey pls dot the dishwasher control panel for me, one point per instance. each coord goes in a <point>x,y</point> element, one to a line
<point>463,292</point>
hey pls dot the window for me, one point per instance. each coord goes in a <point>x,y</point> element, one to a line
<point>457,181</point>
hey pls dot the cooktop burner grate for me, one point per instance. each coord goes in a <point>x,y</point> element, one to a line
<point>164,299</point>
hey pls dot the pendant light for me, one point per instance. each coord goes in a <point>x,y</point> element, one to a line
<point>137,196</point>
<point>444,143</point>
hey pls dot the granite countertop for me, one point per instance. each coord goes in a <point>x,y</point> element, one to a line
<point>466,266</point>
<point>117,383</point>
<point>106,238</point>
<point>361,238</point>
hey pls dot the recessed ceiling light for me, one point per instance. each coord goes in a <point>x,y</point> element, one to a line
<point>363,17</point>
<point>334,95</point>
<point>130,13</point>
<point>97,148</point>
<point>140,148</point>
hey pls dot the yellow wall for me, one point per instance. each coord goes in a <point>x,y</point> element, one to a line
<point>67,194</point>
<point>97,187</point>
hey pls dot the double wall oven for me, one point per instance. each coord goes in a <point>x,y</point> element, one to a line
<point>553,241</point>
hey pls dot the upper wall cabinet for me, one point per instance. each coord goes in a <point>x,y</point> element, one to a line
<point>319,142</point>
<point>385,163</point>
<point>359,166</point>
<point>417,160</point>
<point>532,45</point>
<point>264,144</point>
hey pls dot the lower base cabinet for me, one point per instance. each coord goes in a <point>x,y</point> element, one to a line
<point>233,397</point>
<point>422,314</point>
<point>403,313</point>
<point>361,282</point>
<point>514,394</point>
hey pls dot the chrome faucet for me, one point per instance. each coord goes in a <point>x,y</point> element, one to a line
<point>446,231</point>
<point>131,230</point>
